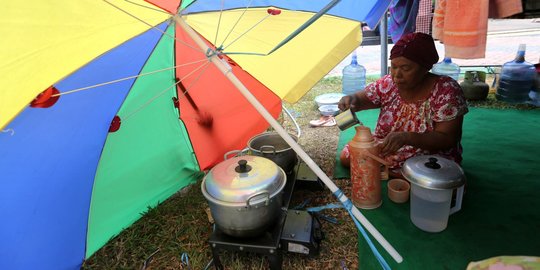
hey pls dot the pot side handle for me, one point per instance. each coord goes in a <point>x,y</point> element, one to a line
<point>237,153</point>
<point>271,147</point>
<point>248,205</point>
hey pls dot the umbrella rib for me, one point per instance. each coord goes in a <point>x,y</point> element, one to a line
<point>196,79</point>
<point>149,101</point>
<point>219,21</point>
<point>235,24</point>
<point>152,26</point>
<point>311,20</point>
<point>126,78</point>
<point>127,116</point>
<point>251,28</point>
<point>315,17</point>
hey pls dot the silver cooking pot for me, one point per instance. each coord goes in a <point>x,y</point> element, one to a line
<point>244,194</point>
<point>270,145</point>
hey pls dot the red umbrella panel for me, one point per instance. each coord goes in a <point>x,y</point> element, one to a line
<point>217,117</point>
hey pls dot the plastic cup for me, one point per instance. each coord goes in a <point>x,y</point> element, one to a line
<point>398,190</point>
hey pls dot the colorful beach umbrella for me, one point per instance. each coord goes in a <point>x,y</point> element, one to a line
<point>108,107</point>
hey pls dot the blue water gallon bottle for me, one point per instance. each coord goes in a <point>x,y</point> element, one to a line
<point>446,67</point>
<point>354,77</point>
<point>516,79</point>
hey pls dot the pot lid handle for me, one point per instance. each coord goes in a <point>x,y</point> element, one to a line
<point>432,163</point>
<point>242,167</point>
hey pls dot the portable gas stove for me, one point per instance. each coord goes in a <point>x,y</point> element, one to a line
<point>295,231</point>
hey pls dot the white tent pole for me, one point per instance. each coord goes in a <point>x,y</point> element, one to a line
<point>281,131</point>
<point>383,33</point>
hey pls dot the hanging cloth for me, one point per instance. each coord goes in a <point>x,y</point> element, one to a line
<point>425,13</point>
<point>462,27</point>
<point>402,19</point>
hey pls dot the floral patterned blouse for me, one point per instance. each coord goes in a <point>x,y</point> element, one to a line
<point>445,103</point>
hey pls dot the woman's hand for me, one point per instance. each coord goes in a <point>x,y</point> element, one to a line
<point>394,141</point>
<point>356,102</point>
<point>348,102</point>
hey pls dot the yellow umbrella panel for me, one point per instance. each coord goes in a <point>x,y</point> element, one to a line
<point>293,69</point>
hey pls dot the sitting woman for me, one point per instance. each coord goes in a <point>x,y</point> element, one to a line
<point>421,113</point>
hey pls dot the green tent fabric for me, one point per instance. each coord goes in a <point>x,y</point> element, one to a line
<point>500,213</point>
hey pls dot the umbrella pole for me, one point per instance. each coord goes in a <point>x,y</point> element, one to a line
<point>225,69</point>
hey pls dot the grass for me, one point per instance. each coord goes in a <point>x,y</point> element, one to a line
<point>180,224</point>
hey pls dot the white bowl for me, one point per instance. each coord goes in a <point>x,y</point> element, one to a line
<point>328,99</point>
<point>329,110</point>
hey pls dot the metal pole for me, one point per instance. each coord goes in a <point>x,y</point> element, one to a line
<point>383,32</point>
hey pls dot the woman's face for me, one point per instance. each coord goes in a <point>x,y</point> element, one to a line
<point>405,73</point>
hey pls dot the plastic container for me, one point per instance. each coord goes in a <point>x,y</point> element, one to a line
<point>433,180</point>
<point>516,79</point>
<point>446,67</point>
<point>398,190</point>
<point>354,77</point>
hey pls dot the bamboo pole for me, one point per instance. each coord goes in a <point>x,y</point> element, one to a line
<point>224,68</point>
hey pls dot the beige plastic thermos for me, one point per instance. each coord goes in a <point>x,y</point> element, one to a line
<point>365,169</point>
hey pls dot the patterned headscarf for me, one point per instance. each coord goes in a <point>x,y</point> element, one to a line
<point>417,47</point>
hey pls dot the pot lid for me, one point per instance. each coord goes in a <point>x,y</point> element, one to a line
<point>236,179</point>
<point>433,172</point>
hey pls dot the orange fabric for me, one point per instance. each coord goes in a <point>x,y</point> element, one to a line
<point>462,26</point>
<point>504,8</point>
<point>438,19</point>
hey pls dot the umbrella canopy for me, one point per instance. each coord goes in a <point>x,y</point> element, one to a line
<point>108,108</point>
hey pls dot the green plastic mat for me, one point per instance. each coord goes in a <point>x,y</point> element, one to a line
<point>500,213</point>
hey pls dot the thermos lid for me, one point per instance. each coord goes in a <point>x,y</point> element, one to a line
<point>363,138</point>
<point>433,172</point>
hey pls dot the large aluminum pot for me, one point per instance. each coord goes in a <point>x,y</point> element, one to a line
<point>270,145</point>
<point>244,194</point>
